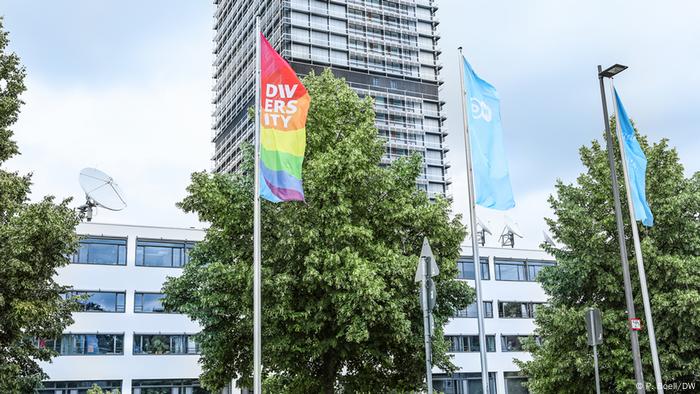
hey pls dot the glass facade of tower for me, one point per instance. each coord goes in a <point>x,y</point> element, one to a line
<point>384,49</point>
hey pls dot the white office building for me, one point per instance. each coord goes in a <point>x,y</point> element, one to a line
<point>510,296</point>
<point>124,339</point>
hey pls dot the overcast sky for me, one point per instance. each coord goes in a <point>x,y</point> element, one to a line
<point>125,86</point>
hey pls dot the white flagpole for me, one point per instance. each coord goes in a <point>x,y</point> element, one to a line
<point>475,242</point>
<point>638,253</point>
<point>257,310</point>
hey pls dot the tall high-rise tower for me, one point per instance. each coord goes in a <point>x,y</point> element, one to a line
<point>386,49</point>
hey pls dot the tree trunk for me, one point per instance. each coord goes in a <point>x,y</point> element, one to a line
<point>330,370</point>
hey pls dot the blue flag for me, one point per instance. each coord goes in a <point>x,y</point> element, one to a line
<point>491,178</point>
<point>636,166</point>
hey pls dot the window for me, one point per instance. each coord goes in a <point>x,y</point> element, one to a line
<point>514,343</point>
<point>165,344</point>
<point>510,271</point>
<point>518,310</point>
<point>338,57</point>
<point>339,42</point>
<point>149,302</point>
<point>319,54</point>
<point>462,383</point>
<point>77,387</point>
<point>86,344</point>
<point>98,301</point>
<point>301,51</point>
<point>472,312</point>
<point>524,271</point>
<point>469,343</point>
<point>300,35</point>
<point>338,25</point>
<point>534,268</point>
<point>436,188</point>
<point>514,382</point>
<point>169,386</point>
<point>465,268</point>
<point>162,253</point>
<point>94,250</point>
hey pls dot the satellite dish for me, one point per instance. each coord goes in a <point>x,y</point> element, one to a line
<point>481,230</point>
<point>100,190</point>
<point>483,226</point>
<point>548,239</point>
<point>510,231</point>
<point>513,227</point>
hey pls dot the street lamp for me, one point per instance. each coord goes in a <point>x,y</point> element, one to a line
<point>638,376</point>
<point>611,71</point>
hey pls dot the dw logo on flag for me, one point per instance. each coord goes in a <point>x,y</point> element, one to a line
<point>480,110</point>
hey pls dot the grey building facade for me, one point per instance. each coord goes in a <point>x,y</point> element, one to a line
<point>385,49</point>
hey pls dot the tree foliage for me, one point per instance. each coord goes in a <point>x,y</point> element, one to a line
<point>95,389</point>
<point>34,240</point>
<point>589,274</point>
<point>340,305</point>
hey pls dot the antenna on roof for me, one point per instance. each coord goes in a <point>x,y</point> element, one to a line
<point>510,231</point>
<point>100,190</point>
<point>482,229</point>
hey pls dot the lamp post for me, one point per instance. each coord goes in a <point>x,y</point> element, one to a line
<point>638,376</point>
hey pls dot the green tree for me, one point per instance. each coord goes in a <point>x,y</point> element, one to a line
<point>589,274</point>
<point>95,389</point>
<point>340,305</point>
<point>34,240</point>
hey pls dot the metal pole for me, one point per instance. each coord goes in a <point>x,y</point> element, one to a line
<point>639,258</point>
<point>638,376</point>
<point>257,310</point>
<point>475,242</point>
<point>595,352</point>
<point>426,326</point>
<point>595,361</point>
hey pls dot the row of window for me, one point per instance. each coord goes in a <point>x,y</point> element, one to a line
<point>112,251</point>
<point>471,343</point>
<point>506,310</point>
<point>139,386</point>
<point>509,270</point>
<point>113,344</point>
<point>470,383</point>
<point>112,301</point>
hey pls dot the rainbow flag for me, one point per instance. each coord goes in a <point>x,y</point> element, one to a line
<point>284,103</point>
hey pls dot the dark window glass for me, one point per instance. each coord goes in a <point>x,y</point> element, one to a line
<point>162,253</point>
<point>515,383</point>
<point>92,344</point>
<point>149,302</point>
<point>510,271</point>
<point>514,343</point>
<point>167,386</point>
<point>469,343</point>
<point>519,270</point>
<point>99,301</point>
<point>165,344</point>
<point>465,268</point>
<point>513,310</point>
<point>77,387</point>
<point>455,383</point>
<point>471,310</point>
<point>518,310</point>
<point>111,251</point>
